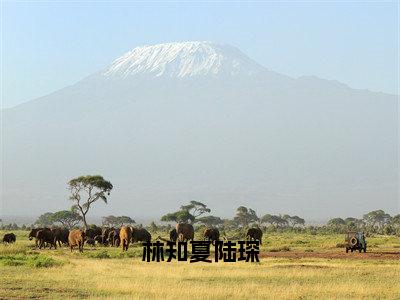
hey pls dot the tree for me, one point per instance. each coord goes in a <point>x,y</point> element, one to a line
<point>67,218</point>
<point>45,220</point>
<point>210,221</point>
<point>336,222</point>
<point>353,224</point>
<point>229,224</point>
<point>196,208</point>
<point>377,218</point>
<point>109,221</point>
<point>296,220</point>
<point>267,219</point>
<point>244,216</point>
<point>126,220</point>
<point>86,190</point>
<point>293,220</point>
<point>278,221</point>
<point>113,221</point>
<point>179,216</point>
<point>337,225</point>
<point>187,213</point>
<point>351,220</point>
<point>396,220</point>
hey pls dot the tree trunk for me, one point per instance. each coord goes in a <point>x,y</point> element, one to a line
<point>84,221</point>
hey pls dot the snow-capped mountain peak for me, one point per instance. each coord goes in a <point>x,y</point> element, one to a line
<point>183,59</point>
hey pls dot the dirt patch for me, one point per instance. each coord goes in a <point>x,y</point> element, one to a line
<point>334,255</point>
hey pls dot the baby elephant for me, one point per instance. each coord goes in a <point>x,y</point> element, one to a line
<point>76,238</point>
<point>9,238</point>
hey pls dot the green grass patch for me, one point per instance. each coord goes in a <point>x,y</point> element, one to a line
<point>34,261</point>
<point>112,253</point>
<point>99,254</point>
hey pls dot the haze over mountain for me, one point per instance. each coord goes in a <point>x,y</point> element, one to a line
<point>174,122</point>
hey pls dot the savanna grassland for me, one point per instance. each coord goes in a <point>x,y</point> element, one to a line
<point>292,266</point>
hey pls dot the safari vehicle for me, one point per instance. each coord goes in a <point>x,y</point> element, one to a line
<point>355,241</point>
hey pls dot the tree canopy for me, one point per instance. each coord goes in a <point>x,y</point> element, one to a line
<point>275,220</point>
<point>294,220</point>
<point>336,222</point>
<point>45,220</point>
<point>178,216</point>
<point>114,221</point>
<point>196,208</point>
<point>377,218</point>
<point>210,221</point>
<point>244,216</point>
<point>187,213</point>
<point>67,218</point>
<point>86,190</point>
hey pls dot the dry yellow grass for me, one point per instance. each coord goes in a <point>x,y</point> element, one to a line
<point>83,276</point>
<point>272,278</point>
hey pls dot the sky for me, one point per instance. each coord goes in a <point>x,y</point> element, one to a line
<point>49,45</point>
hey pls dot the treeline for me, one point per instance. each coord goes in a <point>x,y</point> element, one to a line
<point>85,191</point>
<point>374,222</point>
<point>198,214</point>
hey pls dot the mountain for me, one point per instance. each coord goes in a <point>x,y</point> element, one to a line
<point>183,60</point>
<point>174,122</point>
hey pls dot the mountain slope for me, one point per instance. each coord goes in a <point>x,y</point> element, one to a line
<point>175,122</point>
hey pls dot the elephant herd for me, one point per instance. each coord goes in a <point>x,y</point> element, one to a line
<point>51,236</point>
<point>77,237</point>
<point>116,237</point>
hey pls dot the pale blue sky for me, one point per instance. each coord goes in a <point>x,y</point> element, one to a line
<point>47,46</point>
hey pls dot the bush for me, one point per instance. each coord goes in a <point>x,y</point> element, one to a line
<point>41,261</point>
<point>100,255</point>
<point>36,261</point>
<point>11,260</point>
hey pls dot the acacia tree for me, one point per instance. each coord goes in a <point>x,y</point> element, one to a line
<point>377,218</point>
<point>278,221</point>
<point>294,220</point>
<point>67,218</point>
<point>187,213</point>
<point>336,222</point>
<point>112,221</point>
<point>86,190</point>
<point>244,216</point>
<point>210,221</point>
<point>179,216</point>
<point>196,208</point>
<point>45,220</point>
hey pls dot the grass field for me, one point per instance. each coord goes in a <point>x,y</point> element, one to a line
<point>293,266</point>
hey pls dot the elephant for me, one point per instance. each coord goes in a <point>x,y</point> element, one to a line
<point>184,231</point>
<point>254,234</point>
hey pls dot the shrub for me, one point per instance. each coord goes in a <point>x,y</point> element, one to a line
<point>36,261</point>
<point>41,261</point>
<point>100,255</point>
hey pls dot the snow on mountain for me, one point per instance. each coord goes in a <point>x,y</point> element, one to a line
<point>182,60</point>
<point>180,121</point>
